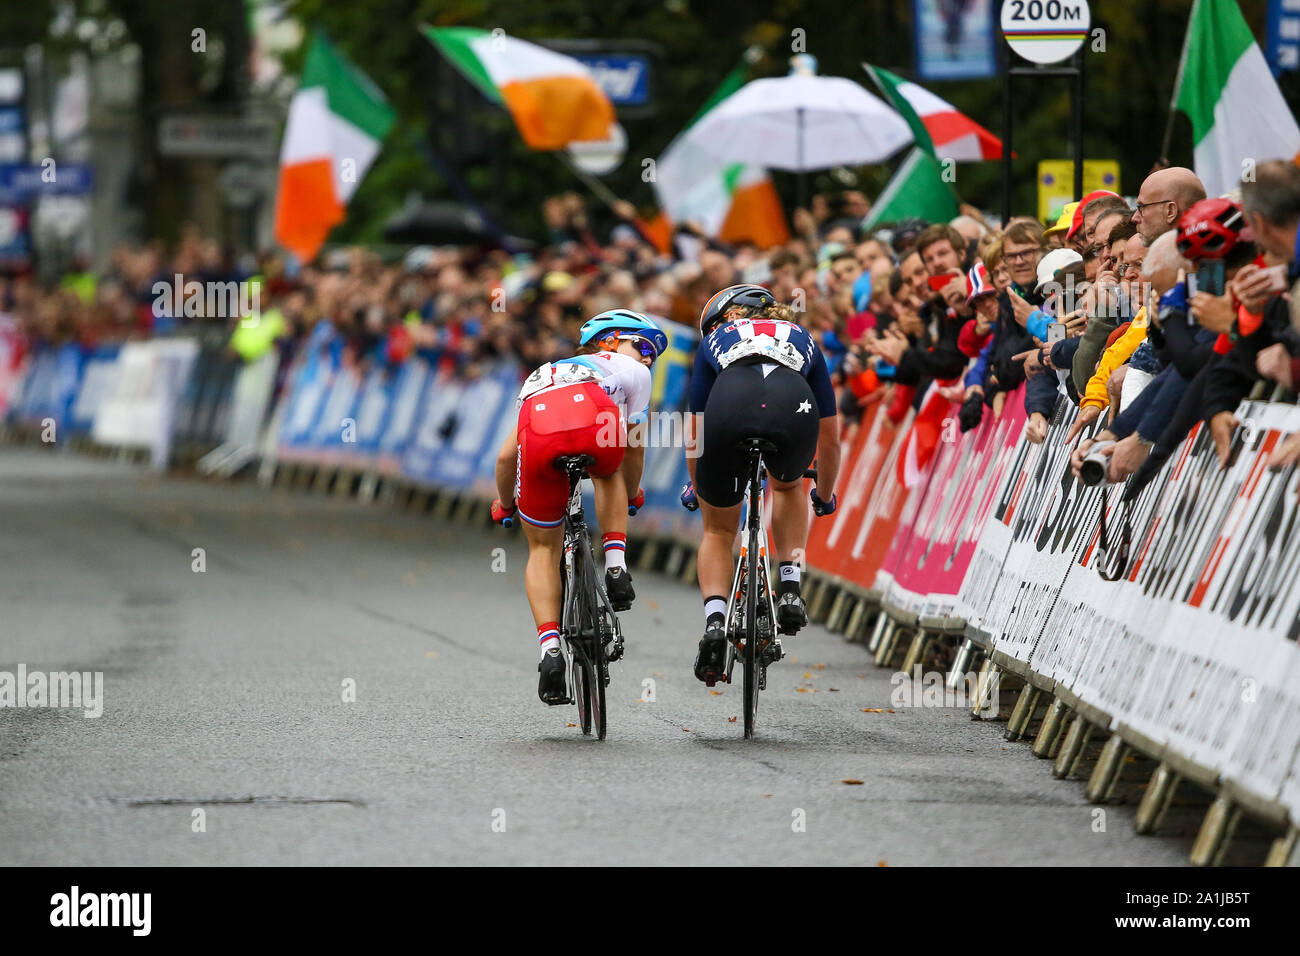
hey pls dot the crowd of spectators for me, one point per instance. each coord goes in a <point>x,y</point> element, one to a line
<point>1117,307</point>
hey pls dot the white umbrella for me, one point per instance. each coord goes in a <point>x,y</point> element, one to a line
<point>801,123</point>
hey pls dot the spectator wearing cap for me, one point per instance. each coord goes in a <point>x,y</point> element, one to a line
<point>1091,208</point>
<point>1041,393</point>
<point>1055,234</point>
<point>982,297</point>
<point>1165,195</point>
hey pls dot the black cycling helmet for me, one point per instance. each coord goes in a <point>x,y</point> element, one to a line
<point>752,296</point>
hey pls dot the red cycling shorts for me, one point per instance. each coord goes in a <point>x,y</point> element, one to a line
<point>572,420</point>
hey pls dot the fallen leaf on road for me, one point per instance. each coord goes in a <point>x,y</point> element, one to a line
<point>716,693</point>
<point>851,782</point>
<point>806,690</point>
<point>807,675</point>
<point>430,654</point>
<point>881,863</point>
<point>732,720</point>
<point>570,725</point>
<point>820,667</point>
<point>766,795</point>
<point>833,690</point>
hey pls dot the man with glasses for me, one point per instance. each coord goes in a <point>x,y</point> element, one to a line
<point>582,405</point>
<point>1165,195</point>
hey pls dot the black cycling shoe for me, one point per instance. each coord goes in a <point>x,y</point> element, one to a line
<point>550,682</point>
<point>712,655</point>
<point>618,585</point>
<point>790,613</point>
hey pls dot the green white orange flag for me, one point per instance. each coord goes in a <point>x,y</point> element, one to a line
<point>917,190</point>
<point>937,125</point>
<point>337,119</point>
<point>1238,115</point>
<point>552,97</point>
<point>733,201</point>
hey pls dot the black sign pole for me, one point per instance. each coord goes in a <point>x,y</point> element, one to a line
<point>1006,132</point>
<point>1076,108</point>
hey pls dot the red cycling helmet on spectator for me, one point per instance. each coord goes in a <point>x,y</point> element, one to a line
<point>1210,229</point>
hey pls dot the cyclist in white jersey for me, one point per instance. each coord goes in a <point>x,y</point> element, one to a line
<point>576,406</point>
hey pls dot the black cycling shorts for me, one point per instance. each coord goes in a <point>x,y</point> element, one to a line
<point>745,403</point>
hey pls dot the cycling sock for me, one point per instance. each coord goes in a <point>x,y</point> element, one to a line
<point>548,636</point>
<point>715,608</point>
<point>615,546</point>
<point>788,577</point>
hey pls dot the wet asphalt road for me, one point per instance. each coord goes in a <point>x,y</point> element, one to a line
<point>224,693</point>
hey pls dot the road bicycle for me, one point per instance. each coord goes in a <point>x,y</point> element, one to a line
<point>750,623</point>
<point>589,628</point>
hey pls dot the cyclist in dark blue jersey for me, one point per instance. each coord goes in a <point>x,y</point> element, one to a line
<point>757,374</point>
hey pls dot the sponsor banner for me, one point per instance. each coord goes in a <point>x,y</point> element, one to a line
<point>98,378</point>
<point>852,488</point>
<point>140,410</point>
<point>1049,516</point>
<point>882,512</point>
<point>958,495</point>
<point>459,422</point>
<point>50,386</point>
<point>309,382</point>
<point>409,387</point>
<point>374,409</point>
<point>1203,623</point>
<point>13,366</point>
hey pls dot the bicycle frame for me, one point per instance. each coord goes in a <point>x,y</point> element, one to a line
<point>587,614</point>
<point>753,553</point>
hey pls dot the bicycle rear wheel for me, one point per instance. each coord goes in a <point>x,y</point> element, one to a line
<point>596,688</point>
<point>751,663</point>
<point>578,674</point>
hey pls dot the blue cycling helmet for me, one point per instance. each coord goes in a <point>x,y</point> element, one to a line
<point>622,320</point>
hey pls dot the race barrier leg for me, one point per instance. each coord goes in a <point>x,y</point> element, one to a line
<point>1159,794</point>
<point>1052,730</point>
<point>1105,773</point>
<point>882,626</point>
<point>921,642</point>
<point>1285,850</point>
<point>1216,832</point>
<point>1076,739</point>
<point>1023,712</point>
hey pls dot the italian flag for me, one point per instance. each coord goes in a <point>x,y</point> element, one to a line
<point>337,119</point>
<point>949,133</point>
<point>1225,88</point>
<point>733,201</point>
<point>553,99</point>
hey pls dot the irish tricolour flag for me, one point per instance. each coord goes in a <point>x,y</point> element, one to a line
<point>1238,115</point>
<point>336,122</point>
<point>552,97</point>
<point>736,202</point>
